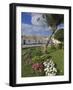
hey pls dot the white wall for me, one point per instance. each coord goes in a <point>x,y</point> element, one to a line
<point>4,45</point>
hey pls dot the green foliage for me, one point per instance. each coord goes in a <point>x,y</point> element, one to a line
<point>60,46</point>
<point>53,47</point>
<point>54,19</point>
<point>44,57</point>
<point>36,59</point>
<point>40,59</point>
<point>36,52</point>
<point>59,35</point>
<point>31,52</point>
<point>57,57</point>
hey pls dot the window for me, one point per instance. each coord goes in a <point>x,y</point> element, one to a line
<point>24,42</point>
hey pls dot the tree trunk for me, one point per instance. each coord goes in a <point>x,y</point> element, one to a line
<point>49,39</point>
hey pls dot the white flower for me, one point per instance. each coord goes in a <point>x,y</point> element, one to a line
<point>46,73</point>
<point>45,69</point>
<point>49,69</point>
<point>45,63</point>
<point>54,69</point>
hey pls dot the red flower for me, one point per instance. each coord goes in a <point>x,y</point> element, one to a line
<point>37,66</point>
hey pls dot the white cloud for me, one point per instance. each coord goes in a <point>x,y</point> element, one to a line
<point>37,19</point>
<point>28,29</point>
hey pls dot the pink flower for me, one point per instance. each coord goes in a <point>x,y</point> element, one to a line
<point>37,66</point>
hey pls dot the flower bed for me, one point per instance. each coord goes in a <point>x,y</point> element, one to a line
<point>47,67</point>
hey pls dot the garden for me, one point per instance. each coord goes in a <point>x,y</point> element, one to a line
<point>37,63</point>
<point>48,60</point>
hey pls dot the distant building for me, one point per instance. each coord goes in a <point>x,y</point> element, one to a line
<point>33,40</point>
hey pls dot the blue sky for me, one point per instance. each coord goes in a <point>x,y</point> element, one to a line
<point>26,18</point>
<point>28,29</point>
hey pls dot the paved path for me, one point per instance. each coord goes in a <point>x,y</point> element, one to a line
<point>37,45</point>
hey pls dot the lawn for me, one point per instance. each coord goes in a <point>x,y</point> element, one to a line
<point>58,58</point>
<point>28,53</point>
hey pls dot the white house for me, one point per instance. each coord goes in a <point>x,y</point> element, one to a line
<point>55,41</point>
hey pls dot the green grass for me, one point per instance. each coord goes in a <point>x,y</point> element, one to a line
<point>58,58</point>
<point>27,70</point>
<point>29,53</point>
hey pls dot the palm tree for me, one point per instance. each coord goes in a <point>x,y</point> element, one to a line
<point>53,20</point>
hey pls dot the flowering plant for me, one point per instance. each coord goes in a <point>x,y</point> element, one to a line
<point>50,69</point>
<point>38,67</point>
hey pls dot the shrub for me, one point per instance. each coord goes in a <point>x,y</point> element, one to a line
<point>36,52</point>
<point>61,45</point>
<point>44,57</point>
<point>59,35</point>
<point>53,46</point>
<point>40,59</point>
<point>36,59</point>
